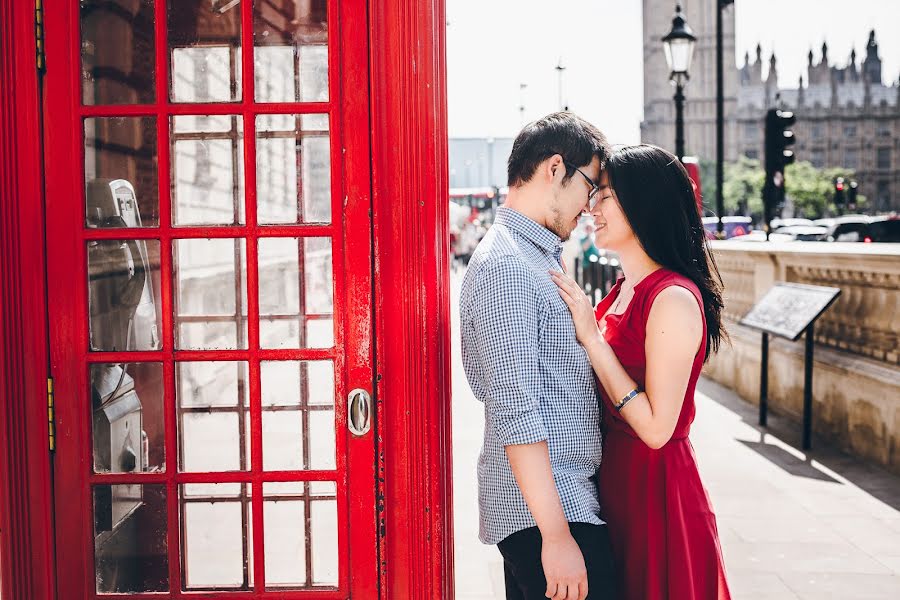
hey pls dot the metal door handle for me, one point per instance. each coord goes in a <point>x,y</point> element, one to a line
<point>359,412</point>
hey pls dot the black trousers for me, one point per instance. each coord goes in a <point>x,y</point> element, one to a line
<point>525,574</point>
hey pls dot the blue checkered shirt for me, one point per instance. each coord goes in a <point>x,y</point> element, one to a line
<point>523,361</point>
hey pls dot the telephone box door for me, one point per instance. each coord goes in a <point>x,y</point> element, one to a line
<point>209,277</point>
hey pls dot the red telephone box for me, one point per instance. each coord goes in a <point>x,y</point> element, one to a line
<point>692,165</point>
<point>235,413</point>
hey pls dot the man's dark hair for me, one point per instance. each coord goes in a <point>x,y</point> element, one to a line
<point>563,133</point>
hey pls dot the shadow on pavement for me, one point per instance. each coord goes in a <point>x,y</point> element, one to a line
<point>874,480</point>
<point>787,461</point>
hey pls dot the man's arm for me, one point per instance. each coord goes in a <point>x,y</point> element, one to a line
<point>531,465</point>
<point>506,316</point>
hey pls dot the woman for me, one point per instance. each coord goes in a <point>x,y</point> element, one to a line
<point>647,341</point>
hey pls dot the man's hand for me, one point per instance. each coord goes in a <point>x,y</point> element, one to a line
<point>564,568</point>
<point>560,555</point>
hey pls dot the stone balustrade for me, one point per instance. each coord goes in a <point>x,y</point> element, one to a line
<point>857,370</point>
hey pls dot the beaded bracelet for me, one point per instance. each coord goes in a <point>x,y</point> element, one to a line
<point>627,398</point>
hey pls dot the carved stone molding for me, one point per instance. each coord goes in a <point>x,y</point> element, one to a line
<point>865,320</point>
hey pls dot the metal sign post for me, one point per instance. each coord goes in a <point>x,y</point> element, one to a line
<point>789,310</point>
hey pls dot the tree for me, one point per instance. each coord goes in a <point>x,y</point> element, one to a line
<point>708,184</point>
<point>742,187</point>
<point>811,190</point>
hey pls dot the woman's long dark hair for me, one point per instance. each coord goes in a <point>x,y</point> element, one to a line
<point>656,195</point>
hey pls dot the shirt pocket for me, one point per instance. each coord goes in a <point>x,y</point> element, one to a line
<point>557,327</point>
<point>562,353</point>
<point>548,291</point>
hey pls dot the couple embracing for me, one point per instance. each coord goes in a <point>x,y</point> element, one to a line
<point>565,383</point>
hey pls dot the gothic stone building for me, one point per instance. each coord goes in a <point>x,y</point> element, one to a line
<point>846,116</point>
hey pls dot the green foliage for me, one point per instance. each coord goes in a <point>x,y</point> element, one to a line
<point>742,187</point>
<point>708,181</point>
<point>810,189</point>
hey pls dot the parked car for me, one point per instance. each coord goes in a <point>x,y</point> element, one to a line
<point>848,229</point>
<point>829,221</point>
<point>731,226</point>
<point>799,233</point>
<point>756,235</point>
<point>884,229</point>
<point>779,223</point>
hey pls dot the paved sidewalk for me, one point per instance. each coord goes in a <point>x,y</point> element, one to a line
<point>793,526</point>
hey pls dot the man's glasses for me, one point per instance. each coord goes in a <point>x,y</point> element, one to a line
<point>592,195</point>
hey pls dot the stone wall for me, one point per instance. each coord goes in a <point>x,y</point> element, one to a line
<point>856,381</point>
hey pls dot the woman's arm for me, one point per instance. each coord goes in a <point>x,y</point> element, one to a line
<point>673,337</point>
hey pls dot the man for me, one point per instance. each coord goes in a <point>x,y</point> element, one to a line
<point>537,496</point>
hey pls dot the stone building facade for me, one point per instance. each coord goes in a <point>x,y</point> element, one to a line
<point>658,125</point>
<point>846,116</point>
<point>856,380</point>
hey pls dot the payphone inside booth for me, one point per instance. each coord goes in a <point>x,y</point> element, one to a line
<point>209,274</point>
<point>123,313</point>
<point>123,317</point>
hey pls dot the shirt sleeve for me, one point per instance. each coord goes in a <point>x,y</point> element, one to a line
<point>505,320</point>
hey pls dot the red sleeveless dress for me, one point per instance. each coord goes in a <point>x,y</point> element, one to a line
<point>661,522</point>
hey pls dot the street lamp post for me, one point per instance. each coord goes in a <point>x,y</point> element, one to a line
<point>560,69</point>
<point>679,47</point>
<point>522,87</point>
<point>720,120</point>
<point>679,121</point>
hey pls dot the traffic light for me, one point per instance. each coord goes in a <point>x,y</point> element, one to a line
<point>839,191</point>
<point>851,195</point>
<point>778,140</point>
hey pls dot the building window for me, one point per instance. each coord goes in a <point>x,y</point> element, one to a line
<point>751,131</point>
<point>818,158</point>
<point>884,158</point>
<point>849,130</point>
<point>883,130</point>
<point>883,195</point>
<point>817,132</point>
<point>851,158</point>
<point>752,154</point>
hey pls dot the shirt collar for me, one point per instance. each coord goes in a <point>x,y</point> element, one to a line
<point>539,235</point>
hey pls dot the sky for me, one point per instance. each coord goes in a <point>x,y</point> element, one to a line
<point>495,46</point>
